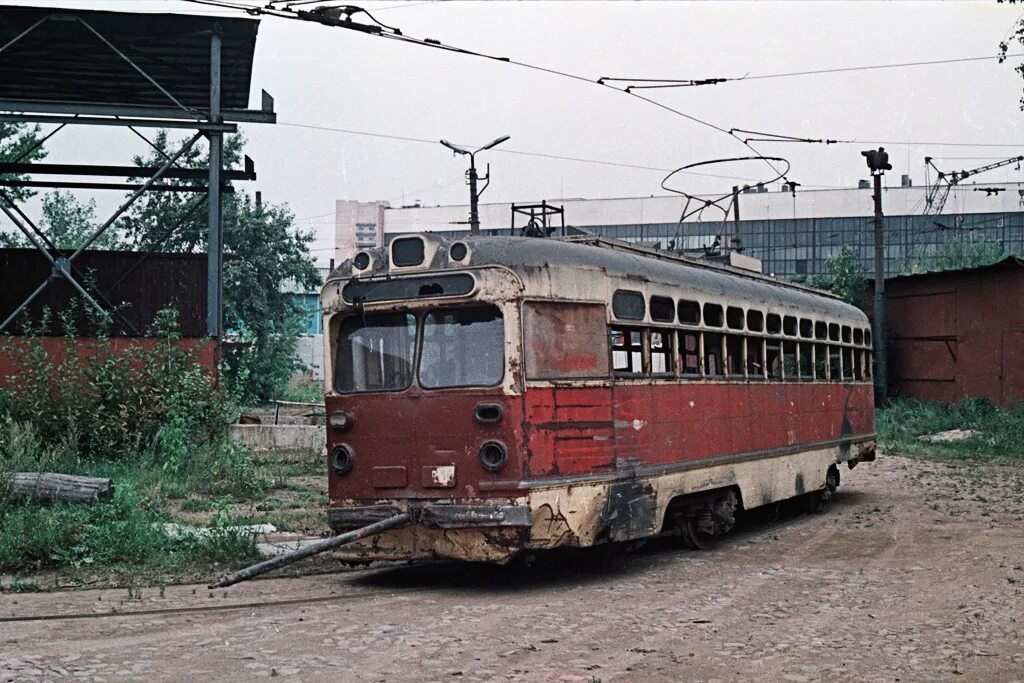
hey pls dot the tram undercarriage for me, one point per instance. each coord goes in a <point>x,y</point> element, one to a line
<point>695,504</point>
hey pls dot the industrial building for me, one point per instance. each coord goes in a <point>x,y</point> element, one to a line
<point>792,233</point>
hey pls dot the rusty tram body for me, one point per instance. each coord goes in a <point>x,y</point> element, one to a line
<point>516,394</point>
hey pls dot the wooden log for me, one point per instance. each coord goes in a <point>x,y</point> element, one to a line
<point>49,486</point>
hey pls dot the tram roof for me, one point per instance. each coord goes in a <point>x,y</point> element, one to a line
<point>627,260</point>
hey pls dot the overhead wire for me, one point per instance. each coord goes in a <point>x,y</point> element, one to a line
<point>384,31</point>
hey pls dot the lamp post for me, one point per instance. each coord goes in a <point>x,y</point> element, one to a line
<point>474,194</point>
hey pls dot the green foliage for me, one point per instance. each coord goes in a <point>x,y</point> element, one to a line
<point>1000,431</point>
<point>68,223</point>
<point>127,531</point>
<point>957,252</point>
<point>845,278</point>
<point>268,254</point>
<point>100,400</point>
<point>16,143</point>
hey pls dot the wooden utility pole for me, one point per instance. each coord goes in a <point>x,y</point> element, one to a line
<point>878,162</point>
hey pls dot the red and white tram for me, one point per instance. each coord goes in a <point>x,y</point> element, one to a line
<point>520,394</point>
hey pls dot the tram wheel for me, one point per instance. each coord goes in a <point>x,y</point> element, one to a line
<point>694,539</point>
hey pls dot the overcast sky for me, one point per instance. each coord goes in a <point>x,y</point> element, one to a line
<point>333,78</point>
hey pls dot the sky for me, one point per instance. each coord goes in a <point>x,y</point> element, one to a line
<point>328,78</point>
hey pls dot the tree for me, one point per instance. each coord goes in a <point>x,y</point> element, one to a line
<point>956,253</point>
<point>264,253</point>
<point>845,278</point>
<point>18,143</point>
<point>68,223</point>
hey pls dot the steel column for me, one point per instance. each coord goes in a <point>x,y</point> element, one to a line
<point>215,214</point>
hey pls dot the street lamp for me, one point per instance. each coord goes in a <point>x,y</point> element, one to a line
<point>474,194</point>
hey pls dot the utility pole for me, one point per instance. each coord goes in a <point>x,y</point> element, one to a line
<point>474,194</point>
<point>736,217</point>
<point>878,162</point>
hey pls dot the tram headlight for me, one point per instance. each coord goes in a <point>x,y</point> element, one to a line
<point>493,455</point>
<point>342,459</point>
<point>458,251</point>
<point>340,420</point>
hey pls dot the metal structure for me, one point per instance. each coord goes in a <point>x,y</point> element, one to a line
<point>472,178</point>
<point>938,192</point>
<point>538,219</point>
<point>78,67</point>
<point>957,334</point>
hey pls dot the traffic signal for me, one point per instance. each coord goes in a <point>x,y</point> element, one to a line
<point>877,159</point>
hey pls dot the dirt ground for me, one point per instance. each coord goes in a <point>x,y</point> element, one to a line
<point>914,574</point>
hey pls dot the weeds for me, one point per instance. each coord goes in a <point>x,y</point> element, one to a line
<point>149,415</point>
<point>999,431</point>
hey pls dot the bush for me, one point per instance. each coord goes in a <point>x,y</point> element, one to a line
<point>109,402</point>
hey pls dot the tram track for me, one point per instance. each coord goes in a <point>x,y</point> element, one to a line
<point>664,547</point>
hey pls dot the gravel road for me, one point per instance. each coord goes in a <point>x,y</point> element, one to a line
<point>915,573</point>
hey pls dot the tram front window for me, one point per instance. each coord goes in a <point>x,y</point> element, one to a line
<point>375,352</point>
<point>462,347</point>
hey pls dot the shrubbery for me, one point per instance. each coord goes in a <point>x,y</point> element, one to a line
<point>150,415</point>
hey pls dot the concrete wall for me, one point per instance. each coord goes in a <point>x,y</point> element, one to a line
<point>310,350</point>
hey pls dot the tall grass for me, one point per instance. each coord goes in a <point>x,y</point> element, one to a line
<point>999,432</point>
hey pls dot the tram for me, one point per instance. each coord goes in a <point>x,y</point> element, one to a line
<point>516,394</point>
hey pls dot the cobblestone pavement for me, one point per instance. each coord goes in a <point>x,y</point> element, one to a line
<point>914,574</point>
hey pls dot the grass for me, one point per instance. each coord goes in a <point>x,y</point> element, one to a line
<point>123,541</point>
<point>1000,431</point>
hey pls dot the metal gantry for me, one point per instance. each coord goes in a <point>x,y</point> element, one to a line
<point>158,106</point>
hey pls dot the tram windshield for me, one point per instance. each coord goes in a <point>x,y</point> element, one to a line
<point>460,347</point>
<point>375,352</point>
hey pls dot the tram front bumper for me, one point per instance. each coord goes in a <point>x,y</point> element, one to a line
<point>438,515</point>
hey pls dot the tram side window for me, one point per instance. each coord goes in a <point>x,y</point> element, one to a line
<point>858,364</point>
<point>689,344</point>
<point>661,352</point>
<point>565,340</point>
<point>734,355</point>
<point>833,364</point>
<point>820,362</point>
<point>755,357</point>
<point>627,351</point>
<point>868,368</point>
<point>773,359</point>
<point>806,370</point>
<point>713,365</point>
<point>789,359</point>
<point>847,363</point>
